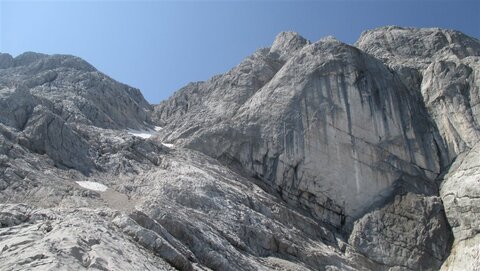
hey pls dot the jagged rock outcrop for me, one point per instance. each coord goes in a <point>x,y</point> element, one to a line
<point>6,61</point>
<point>415,211</point>
<point>417,47</point>
<point>443,65</point>
<point>47,133</point>
<point>281,133</point>
<point>460,192</point>
<point>45,99</point>
<point>332,132</point>
<point>80,239</point>
<point>305,156</point>
<point>71,88</point>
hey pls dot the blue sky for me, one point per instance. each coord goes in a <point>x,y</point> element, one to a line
<point>159,46</point>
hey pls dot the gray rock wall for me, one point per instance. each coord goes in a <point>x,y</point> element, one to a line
<point>332,129</point>
<point>443,66</point>
<point>305,156</point>
<point>335,130</point>
<point>460,192</point>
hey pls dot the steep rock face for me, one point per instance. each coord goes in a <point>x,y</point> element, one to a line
<point>443,66</point>
<point>460,192</point>
<point>6,61</point>
<point>47,133</point>
<point>333,132</point>
<point>332,113</point>
<point>339,120</point>
<point>415,211</point>
<point>16,106</point>
<point>451,93</point>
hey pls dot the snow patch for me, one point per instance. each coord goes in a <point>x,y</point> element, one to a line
<point>149,133</point>
<point>92,186</point>
<point>171,146</point>
<point>142,134</point>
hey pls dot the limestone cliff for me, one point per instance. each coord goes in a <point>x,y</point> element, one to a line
<point>443,65</point>
<point>306,156</point>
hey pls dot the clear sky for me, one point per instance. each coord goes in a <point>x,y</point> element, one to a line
<point>160,46</point>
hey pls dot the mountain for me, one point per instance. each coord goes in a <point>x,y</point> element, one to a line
<point>306,156</point>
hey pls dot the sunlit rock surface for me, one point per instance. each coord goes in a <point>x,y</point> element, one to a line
<point>306,156</point>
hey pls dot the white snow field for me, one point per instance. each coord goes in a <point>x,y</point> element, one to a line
<point>171,146</point>
<point>92,186</point>
<point>144,133</point>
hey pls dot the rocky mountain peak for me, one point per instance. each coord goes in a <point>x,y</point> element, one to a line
<point>287,43</point>
<point>329,38</point>
<point>417,44</point>
<point>6,61</point>
<point>28,58</point>
<point>35,62</point>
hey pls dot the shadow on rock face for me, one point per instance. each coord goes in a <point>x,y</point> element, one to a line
<point>46,133</point>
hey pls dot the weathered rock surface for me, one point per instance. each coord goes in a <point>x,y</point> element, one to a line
<point>59,239</point>
<point>71,88</point>
<point>460,192</point>
<point>444,66</point>
<point>306,156</point>
<point>408,232</point>
<point>332,132</point>
<point>45,98</point>
<point>333,127</point>
<point>417,47</point>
